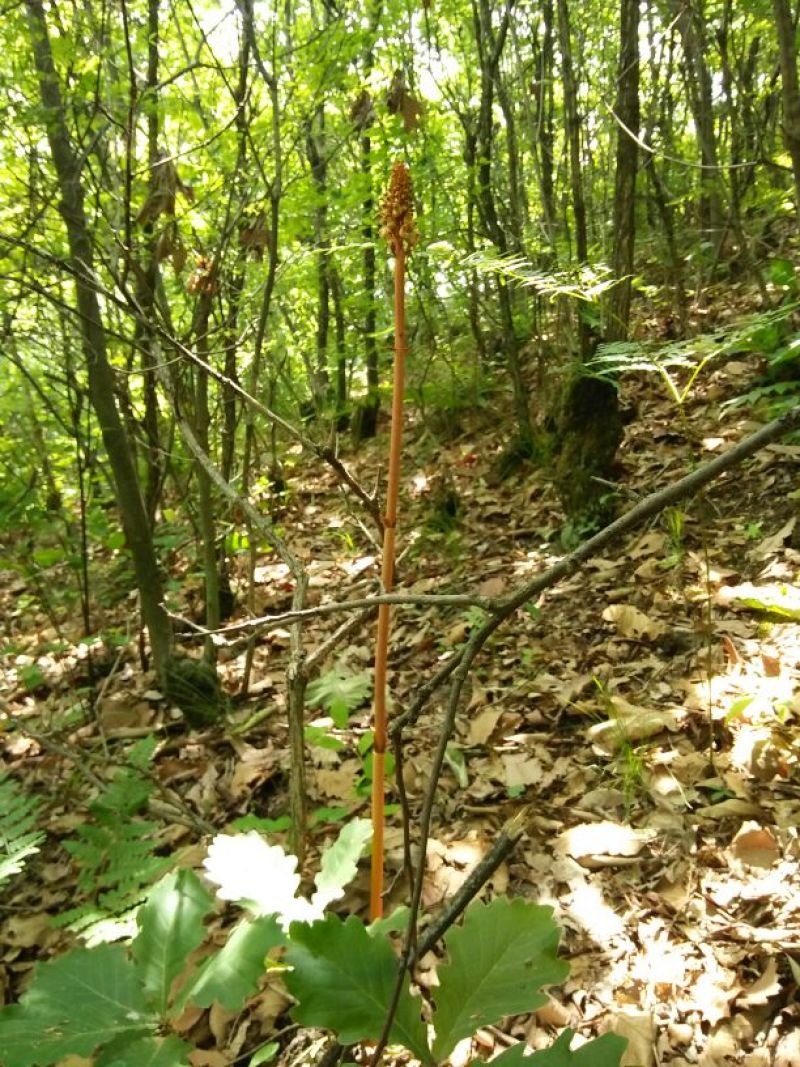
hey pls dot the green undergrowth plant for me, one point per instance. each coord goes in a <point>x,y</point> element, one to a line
<point>339,693</point>
<point>679,364</point>
<point>117,1003</point>
<point>115,849</point>
<point>19,837</point>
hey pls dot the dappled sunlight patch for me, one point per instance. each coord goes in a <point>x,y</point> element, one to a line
<point>588,909</point>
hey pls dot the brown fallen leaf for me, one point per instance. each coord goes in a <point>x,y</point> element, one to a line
<point>756,846</point>
<point>769,546</point>
<point>767,985</point>
<point>494,586</point>
<point>26,931</point>
<point>253,767</point>
<point>208,1057</point>
<point>483,725</point>
<point>632,623</point>
<point>726,808</point>
<point>631,722</point>
<point>639,1029</point>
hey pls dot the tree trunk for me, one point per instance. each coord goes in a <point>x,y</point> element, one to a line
<point>490,46</point>
<point>618,307</point>
<point>316,155</point>
<point>205,498</point>
<point>701,99</point>
<point>573,135</point>
<point>589,427</point>
<point>784,24</point>
<point>93,337</point>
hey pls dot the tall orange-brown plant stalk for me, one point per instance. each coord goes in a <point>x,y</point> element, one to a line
<point>397,227</point>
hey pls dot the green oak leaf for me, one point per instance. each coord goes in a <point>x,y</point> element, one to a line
<point>170,928</point>
<point>344,980</point>
<point>339,863</point>
<point>149,1051</point>
<point>499,957</point>
<point>232,974</point>
<point>75,1004</point>
<point>605,1051</point>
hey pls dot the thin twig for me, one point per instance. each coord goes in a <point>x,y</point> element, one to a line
<point>478,877</point>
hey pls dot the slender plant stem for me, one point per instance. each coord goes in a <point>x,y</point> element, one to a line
<point>387,578</point>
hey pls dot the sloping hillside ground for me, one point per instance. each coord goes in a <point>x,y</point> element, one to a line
<point>642,723</point>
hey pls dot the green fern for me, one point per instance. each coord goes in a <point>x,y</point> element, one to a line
<point>115,849</point>
<point>18,838</point>
<point>764,333</point>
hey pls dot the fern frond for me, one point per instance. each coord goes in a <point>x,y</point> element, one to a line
<point>114,850</point>
<point>587,282</point>
<point>18,837</point>
<point>756,333</point>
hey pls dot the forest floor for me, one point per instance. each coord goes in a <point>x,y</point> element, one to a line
<point>642,723</point>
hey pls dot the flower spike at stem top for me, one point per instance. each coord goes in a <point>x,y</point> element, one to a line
<point>397,216</point>
<point>398,229</point>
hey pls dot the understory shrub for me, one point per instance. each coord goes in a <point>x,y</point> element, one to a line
<point>116,1002</point>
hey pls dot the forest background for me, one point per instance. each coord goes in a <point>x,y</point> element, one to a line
<point>198,348</point>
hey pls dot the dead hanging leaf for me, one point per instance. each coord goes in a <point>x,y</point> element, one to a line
<point>632,623</point>
<point>255,236</point>
<point>165,184</point>
<point>756,846</point>
<point>362,111</point>
<point>400,102</point>
<point>170,246</point>
<point>204,280</point>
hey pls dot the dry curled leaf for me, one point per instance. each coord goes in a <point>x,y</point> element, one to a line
<point>165,184</point>
<point>630,722</point>
<point>756,846</point>
<point>400,102</point>
<point>362,111</point>
<point>632,623</point>
<point>254,236</point>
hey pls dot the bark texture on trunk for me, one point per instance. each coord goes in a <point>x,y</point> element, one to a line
<point>93,337</point>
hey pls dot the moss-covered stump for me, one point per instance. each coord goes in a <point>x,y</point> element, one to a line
<point>587,433</point>
<point>192,686</point>
<point>444,503</point>
<point>364,420</point>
